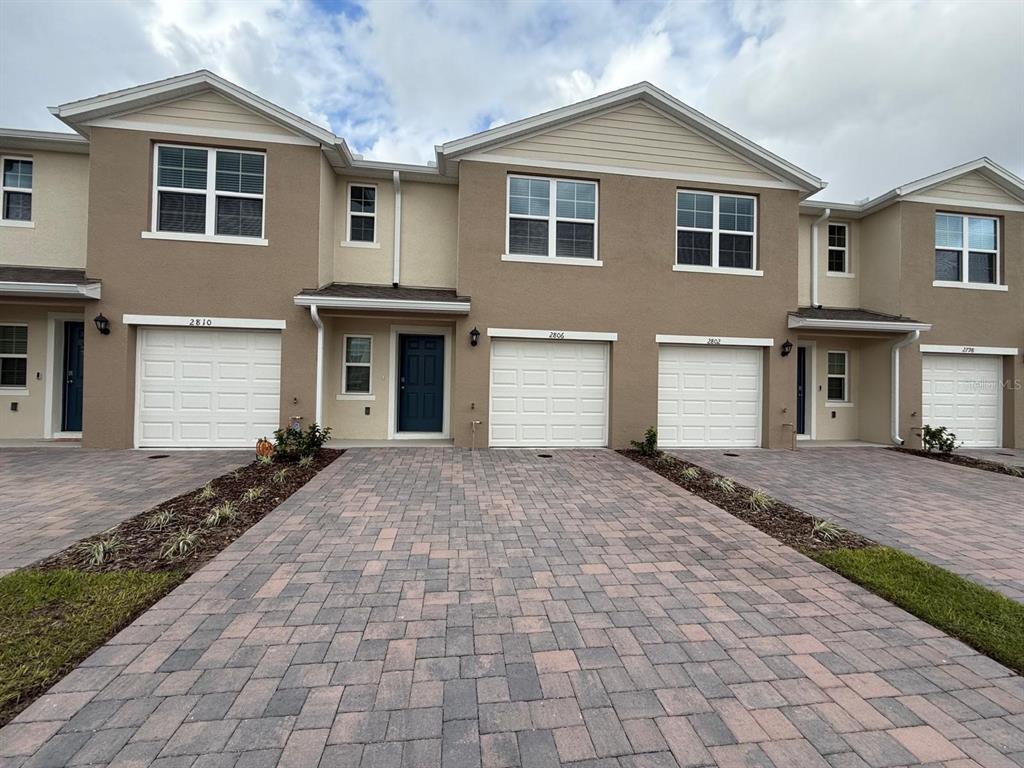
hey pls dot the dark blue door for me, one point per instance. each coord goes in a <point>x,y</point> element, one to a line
<point>74,354</point>
<point>421,383</point>
<point>801,390</point>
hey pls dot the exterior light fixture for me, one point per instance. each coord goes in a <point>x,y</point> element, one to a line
<point>102,324</point>
<point>474,337</point>
<point>787,347</point>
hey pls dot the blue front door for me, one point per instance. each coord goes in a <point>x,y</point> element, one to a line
<point>74,354</point>
<point>801,390</point>
<point>420,383</point>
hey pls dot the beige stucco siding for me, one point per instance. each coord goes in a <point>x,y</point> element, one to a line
<point>345,414</point>
<point>60,203</point>
<point>430,215</point>
<point>162,277</point>
<point>634,136</point>
<point>971,189</point>
<point>636,294</point>
<point>369,263</point>
<point>328,189</point>
<point>878,262</point>
<point>833,290</point>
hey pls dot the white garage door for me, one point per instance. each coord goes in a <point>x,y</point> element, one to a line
<point>963,393</point>
<point>549,393</point>
<point>206,388</point>
<point>709,396</point>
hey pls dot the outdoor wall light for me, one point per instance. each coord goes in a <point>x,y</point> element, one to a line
<point>474,337</point>
<point>102,324</point>
<point>787,347</point>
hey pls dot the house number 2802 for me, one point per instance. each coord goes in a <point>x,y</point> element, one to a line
<point>713,341</point>
<point>200,321</point>
<point>556,334</point>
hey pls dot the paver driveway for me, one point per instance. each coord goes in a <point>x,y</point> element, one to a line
<point>51,498</point>
<point>967,520</point>
<point>435,606</point>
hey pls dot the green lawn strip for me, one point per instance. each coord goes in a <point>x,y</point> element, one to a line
<point>985,620</point>
<point>52,620</point>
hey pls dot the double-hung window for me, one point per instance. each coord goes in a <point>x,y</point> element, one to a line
<point>966,249</point>
<point>716,232</point>
<point>838,248</point>
<point>355,373</point>
<point>552,218</point>
<point>362,213</point>
<point>17,190</point>
<point>838,377</point>
<point>205,193</point>
<point>13,356</point>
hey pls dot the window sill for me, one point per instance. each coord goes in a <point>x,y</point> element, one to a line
<point>17,223</point>
<point>13,391</point>
<point>970,286</point>
<point>189,238</point>
<point>561,260</point>
<point>838,404</point>
<point>840,274</point>
<point>717,270</point>
<point>355,397</point>
<point>358,244</point>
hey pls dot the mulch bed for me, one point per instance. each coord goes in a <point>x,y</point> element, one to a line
<point>780,521</point>
<point>964,461</point>
<point>142,546</point>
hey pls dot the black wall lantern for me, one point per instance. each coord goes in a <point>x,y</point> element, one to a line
<point>474,337</point>
<point>102,324</point>
<point>787,347</point>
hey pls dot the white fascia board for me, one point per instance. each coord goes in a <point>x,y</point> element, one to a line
<point>714,341</point>
<point>396,305</point>
<point>51,290</point>
<point>53,141</point>
<point>881,326</point>
<point>550,335</point>
<point>203,321</point>
<point>950,349</point>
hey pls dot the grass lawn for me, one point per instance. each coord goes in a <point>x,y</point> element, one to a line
<point>985,620</point>
<point>52,620</point>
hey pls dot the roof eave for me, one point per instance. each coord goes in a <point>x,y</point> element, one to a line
<point>51,290</point>
<point>395,305</point>
<point>880,326</point>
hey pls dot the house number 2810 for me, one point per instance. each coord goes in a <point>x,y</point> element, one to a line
<point>199,321</point>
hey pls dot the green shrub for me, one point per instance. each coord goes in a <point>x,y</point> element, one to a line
<point>826,531</point>
<point>181,543</point>
<point>649,445</point>
<point>206,492</point>
<point>220,513</point>
<point>101,550</point>
<point>760,501</point>
<point>690,474</point>
<point>724,484</point>
<point>293,444</point>
<point>938,439</point>
<point>159,520</point>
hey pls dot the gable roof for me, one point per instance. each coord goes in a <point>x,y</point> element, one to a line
<point>642,92</point>
<point>992,171</point>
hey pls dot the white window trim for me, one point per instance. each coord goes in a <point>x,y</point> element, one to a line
<point>4,188</point>
<point>846,271</point>
<point>552,219</point>
<point>715,232</point>
<point>965,251</point>
<point>349,213</point>
<point>211,193</point>
<point>16,389</point>
<point>845,377</point>
<point>345,364</point>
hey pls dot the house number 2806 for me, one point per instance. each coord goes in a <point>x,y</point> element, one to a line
<point>556,334</point>
<point>199,321</point>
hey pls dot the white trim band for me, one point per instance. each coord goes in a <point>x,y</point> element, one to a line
<point>197,321</point>
<point>51,290</point>
<point>856,325</point>
<point>950,349</point>
<point>562,261</point>
<point>714,341</point>
<point>196,238</point>
<point>551,335</point>
<point>969,286</point>
<point>717,270</point>
<point>396,305</point>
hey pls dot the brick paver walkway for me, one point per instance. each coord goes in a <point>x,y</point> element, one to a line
<point>1013,457</point>
<point>50,498</point>
<point>967,520</point>
<point>425,607</point>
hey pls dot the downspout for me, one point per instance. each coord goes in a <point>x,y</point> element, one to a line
<point>908,340</point>
<point>397,269</point>
<point>814,256</point>
<point>319,408</point>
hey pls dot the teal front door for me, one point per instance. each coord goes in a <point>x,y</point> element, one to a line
<point>74,359</point>
<point>420,383</point>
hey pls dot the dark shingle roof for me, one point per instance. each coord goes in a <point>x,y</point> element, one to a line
<point>836,313</point>
<point>401,293</point>
<point>9,274</point>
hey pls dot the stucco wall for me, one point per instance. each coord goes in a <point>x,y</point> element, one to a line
<point>635,294</point>
<point>159,277</point>
<point>833,290</point>
<point>879,262</point>
<point>60,201</point>
<point>430,215</point>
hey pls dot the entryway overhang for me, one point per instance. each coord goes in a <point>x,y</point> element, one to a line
<point>834,319</point>
<point>352,296</point>
<point>47,283</point>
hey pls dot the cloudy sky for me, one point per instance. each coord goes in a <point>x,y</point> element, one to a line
<point>866,95</point>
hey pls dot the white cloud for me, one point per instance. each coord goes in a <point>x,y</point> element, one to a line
<point>865,94</point>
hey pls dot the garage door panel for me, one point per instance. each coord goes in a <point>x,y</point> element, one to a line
<point>548,393</point>
<point>963,393</point>
<point>207,388</point>
<point>709,396</point>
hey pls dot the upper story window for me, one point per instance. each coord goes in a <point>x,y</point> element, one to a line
<point>13,356</point>
<point>838,248</point>
<point>209,193</point>
<point>17,189</point>
<point>362,213</point>
<point>715,232</point>
<point>966,249</point>
<point>552,218</point>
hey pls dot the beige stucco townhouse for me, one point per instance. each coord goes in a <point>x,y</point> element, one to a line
<point>195,266</point>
